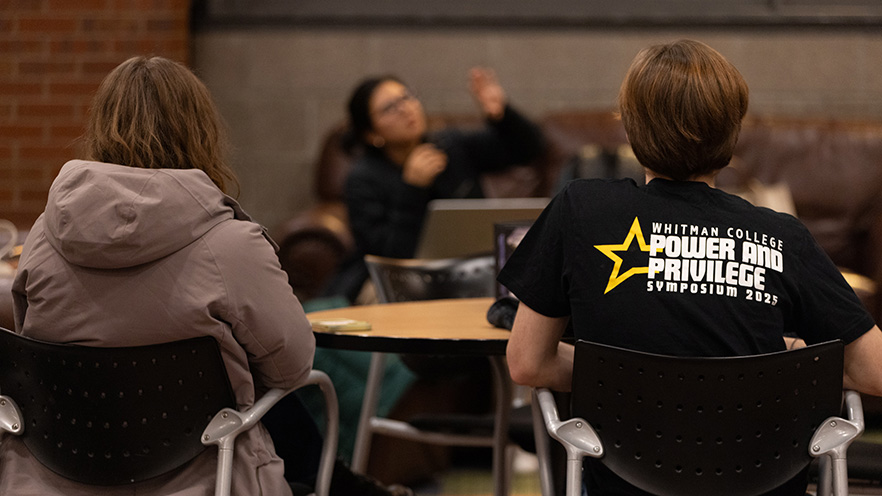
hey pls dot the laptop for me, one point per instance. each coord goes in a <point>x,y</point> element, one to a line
<point>464,227</point>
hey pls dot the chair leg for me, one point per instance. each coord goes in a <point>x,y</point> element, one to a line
<point>502,386</point>
<point>332,432</point>
<point>543,449</point>
<point>223,486</point>
<point>825,476</point>
<point>574,475</point>
<point>368,412</point>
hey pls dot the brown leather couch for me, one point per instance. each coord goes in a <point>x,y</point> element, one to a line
<point>833,170</point>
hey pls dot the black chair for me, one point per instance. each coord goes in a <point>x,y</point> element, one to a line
<point>114,416</point>
<point>397,280</point>
<point>734,426</point>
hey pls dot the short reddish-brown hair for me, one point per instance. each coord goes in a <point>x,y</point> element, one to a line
<point>682,104</point>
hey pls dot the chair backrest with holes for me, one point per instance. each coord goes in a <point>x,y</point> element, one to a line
<point>432,279</point>
<point>735,426</point>
<point>110,416</point>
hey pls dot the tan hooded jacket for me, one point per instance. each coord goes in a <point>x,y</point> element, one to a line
<point>128,256</point>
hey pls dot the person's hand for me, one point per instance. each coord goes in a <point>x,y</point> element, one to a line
<point>487,92</point>
<point>793,343</point>
<point>423,165</point>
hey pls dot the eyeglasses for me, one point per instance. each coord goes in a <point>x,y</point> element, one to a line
<point>397,105</point>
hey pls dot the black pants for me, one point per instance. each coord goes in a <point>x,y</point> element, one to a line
<point>296,437</point>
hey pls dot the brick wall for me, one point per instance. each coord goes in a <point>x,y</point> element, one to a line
<point>53,55</point>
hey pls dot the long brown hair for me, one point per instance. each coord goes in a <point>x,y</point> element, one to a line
<point>682,104</point>
<point>154,113</point>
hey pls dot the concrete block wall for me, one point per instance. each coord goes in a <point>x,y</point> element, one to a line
<point>53,55</point>
<point>281,88</point>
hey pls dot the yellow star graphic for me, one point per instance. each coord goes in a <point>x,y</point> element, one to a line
<point>609,250</point>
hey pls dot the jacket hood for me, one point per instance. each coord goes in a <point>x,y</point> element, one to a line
<point>110,216</point>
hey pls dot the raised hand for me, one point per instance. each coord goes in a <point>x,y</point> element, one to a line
<point>487,92</point>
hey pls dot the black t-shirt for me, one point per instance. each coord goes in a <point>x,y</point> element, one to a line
<point>680,268</point>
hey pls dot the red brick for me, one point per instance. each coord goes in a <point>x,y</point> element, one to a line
<point>77,5</point>
<point>19,132</point>
<point>33,198</point>
<point>24,219</point>
<point>66,133</point>
<point>44,153</point>
<point>167,25</point>
<point>174,44</point>
<point>46,68</point>
<point>21,5</point>
<point>73,89</point>
<point>102,68</point>
<point>132,46</point>
<point>46,110</point>
<point>15,89</point>
<point>27,175</point>
<point>157,45</point>
<point>8,67</point>
<point>21,47</point>
<point>117,25</point>
<point>152,5</point>
<point>91,45</point>
<point>47,25</point>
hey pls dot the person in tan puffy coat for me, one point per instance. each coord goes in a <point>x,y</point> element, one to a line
<point>142,244</point>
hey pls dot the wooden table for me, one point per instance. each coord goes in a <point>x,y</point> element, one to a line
<point>442,327</point>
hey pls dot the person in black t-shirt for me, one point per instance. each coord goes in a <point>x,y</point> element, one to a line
<point>676,266</point>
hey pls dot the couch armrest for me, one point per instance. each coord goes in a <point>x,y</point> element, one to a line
<point>312,246</point>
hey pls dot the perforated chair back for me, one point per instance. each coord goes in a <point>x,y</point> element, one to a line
<point>111,416</point>
<point>431,279</point>
<point>734,426</point>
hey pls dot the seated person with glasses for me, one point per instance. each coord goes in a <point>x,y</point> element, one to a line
<point>403,166</point>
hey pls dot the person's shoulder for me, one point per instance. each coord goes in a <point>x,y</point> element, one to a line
<point>784,219</point>
<point>235,238</point>
<point>597,186</point>
<point>583,196</point>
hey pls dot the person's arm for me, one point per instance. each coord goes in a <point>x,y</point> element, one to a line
<point>863,363</point>
<point>266,318</point>
<point>385,214</point>
<point>536,356</point>
<point>509,137</point>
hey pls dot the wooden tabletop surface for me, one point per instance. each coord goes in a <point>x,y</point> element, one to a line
<point>452,326</point>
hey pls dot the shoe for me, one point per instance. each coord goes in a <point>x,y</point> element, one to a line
<point>345,482</point>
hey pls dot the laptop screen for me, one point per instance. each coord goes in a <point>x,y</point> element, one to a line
<point>464,227</point>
